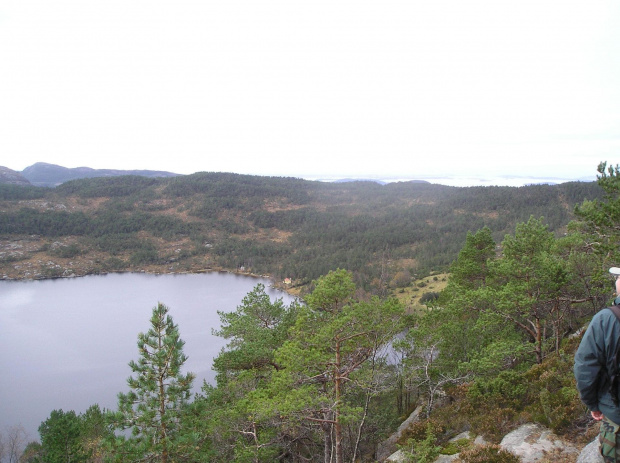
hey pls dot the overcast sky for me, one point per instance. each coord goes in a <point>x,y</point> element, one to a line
<point>404,89</point>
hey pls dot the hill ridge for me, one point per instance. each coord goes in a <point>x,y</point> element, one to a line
<point>50,175</point>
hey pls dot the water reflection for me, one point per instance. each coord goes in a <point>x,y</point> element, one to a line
<point>65,344</point>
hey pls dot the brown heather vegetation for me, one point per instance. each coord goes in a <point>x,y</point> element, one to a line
<point>281,227</point>
<point>311,383</point>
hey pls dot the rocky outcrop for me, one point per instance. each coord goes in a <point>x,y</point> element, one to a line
<point>446,458</point>
<point>531,443</point>
<point>388,447</point>
<point>400,457</point>
<point>590,453</point>
<point>397,457</point>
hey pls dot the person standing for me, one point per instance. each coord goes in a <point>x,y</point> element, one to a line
<point>595,371</point>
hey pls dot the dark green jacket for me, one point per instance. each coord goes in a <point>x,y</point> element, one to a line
<point>594,359</point>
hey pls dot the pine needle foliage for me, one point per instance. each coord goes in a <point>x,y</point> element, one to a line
<point>158,394</point>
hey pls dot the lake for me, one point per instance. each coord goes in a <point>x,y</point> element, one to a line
<point>66,343</point>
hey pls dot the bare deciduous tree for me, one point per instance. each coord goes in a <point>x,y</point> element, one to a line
<point>2,448</point>
<point>14,443</point>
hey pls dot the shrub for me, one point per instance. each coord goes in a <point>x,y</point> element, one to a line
<point>560,407</point>
<point>428,297</point>
<point>67,252</point>
<point>554,401</point>
<point>507,388</point>
<point>144,257</point>
<point>14,258</point>
<point>423,450</point>
<point>51,271</point>
<point>114,263</point>
<point>494,423</point>
<point>454,447</point>
<point>420,430</point>
<point>402,279</point>
<point>487,454</point>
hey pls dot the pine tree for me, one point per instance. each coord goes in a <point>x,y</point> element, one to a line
<point>336,335</point>
<point>60,438</point>
<point>159,392</point>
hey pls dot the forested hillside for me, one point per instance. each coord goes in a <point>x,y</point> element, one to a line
<point>329,378</point>
<point>284,227</point>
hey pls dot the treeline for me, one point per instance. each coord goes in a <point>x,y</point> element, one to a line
<point>236,186</point>
<point>19,192</point>
<point>112,187</point>
<point>330,378</point>
<point>104,222</point>
<point>287,227</point>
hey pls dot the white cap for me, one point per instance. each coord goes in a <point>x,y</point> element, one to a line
<point>614,270</point>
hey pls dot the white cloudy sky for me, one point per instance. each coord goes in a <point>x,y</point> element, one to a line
<point>410,89</point>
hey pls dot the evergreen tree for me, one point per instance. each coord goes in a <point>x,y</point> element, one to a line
<point>255,330</point>
<point>60,438</point>
<point>529,283</point>
<point>159,391</point>
<point>470,269</point>
<point>335,337</point>
<point>94,432</point>
<point>598,222</point>
<point>600,218</point>
<point>33,453</point>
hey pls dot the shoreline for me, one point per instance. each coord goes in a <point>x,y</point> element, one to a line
<point>31,258</point>
<point>281,286</point>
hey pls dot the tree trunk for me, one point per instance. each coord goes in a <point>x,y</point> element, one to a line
<point>327,447</point>
<point>162,417</point>
<point>539,342</point>
<point>338,392</point>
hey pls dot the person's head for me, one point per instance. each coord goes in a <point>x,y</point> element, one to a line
<point>615,272</point>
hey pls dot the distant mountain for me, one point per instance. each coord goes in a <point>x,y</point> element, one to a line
<point>419,181</point>
<point>51,175</point>
<point>11,177</point>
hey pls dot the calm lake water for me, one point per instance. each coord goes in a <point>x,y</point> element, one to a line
<point>66,344</point>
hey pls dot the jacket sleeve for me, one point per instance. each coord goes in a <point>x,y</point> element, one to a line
<point>590,364</point>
